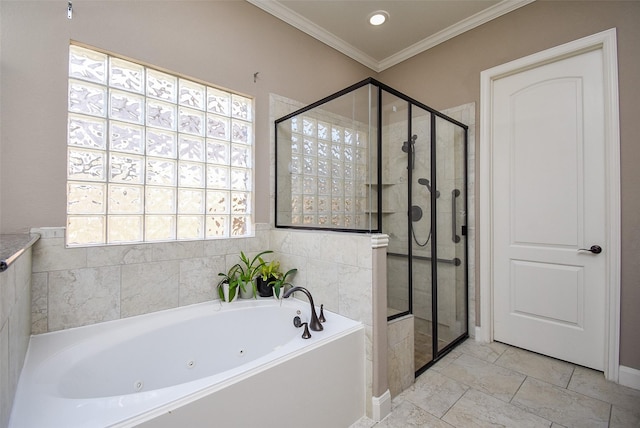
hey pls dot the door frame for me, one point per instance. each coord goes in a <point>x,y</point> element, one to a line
<point>606,42</point>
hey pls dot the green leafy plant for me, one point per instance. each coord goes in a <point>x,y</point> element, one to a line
<point>269,270</point>
<point>231,278</point>
<point>249,269</point>
<point>281,281</point>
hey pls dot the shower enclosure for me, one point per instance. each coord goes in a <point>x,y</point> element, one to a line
<point>371,159</point>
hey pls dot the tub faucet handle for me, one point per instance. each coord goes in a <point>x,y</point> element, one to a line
<point>298,323</point>
<point>321,317</point>
<point>305,333</point>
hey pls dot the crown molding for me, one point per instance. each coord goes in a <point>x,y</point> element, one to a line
<point>276,9</point>
<point>298,21</point>
<point>463,26</point>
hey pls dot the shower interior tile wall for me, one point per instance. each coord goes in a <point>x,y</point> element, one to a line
<point>395,221</point>
<point>466,114</point>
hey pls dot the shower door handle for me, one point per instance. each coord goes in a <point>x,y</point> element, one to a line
<point>595,249</point>
<point>454,236</point>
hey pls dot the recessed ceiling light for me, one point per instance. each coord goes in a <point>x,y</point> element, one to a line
<point>378,17</point>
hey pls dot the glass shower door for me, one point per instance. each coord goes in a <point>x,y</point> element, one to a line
<point>423,212</point>
<point>421,236</point>
<point>450,286</point>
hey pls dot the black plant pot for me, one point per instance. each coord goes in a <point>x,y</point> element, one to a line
<point>265,290</point>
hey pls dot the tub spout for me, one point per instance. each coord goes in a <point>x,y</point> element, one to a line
<point>314,324</point>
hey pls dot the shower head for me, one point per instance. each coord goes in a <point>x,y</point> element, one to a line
<point>427,184</point>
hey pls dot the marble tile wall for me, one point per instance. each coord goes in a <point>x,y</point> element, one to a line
<point>73,287</point>
<point>15,328</point>
<point>466,114</point>
<point>335,267</point>
<point>401,367</point>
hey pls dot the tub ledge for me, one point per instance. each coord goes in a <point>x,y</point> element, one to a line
<point>13,245</point>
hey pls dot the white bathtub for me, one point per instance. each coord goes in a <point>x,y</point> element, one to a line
<point>241,364</point>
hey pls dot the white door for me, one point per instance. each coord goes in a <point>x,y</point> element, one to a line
<point>549,202</point>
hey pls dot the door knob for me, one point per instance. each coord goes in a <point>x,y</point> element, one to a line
<point>595,249</point>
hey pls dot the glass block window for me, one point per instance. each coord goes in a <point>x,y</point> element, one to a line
<point>153,156</point>
<point>328,173</point>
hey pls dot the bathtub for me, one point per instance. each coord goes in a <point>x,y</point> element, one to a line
<point>239,364</point>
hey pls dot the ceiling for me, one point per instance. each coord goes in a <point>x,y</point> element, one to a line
<point>413,25</point>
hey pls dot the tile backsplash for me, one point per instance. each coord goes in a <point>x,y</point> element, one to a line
<point>73,287</point>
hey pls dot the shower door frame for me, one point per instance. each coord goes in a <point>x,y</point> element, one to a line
<point>437,353</point>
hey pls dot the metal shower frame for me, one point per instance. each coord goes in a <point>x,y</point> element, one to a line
<point>437,354</point>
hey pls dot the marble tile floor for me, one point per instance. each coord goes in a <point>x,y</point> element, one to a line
<point>489,385</point>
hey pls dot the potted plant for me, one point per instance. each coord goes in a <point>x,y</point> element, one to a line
<point>281,283</point>
<point>228,285</point>
<point>247,271</point>
<point>269,272</point>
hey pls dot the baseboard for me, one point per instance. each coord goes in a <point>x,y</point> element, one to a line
<point>479,337</point>
<point>381,406</point>
<point>630,377</point>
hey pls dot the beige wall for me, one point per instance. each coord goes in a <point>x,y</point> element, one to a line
<point>449,75</point>
<point>221,42</point>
